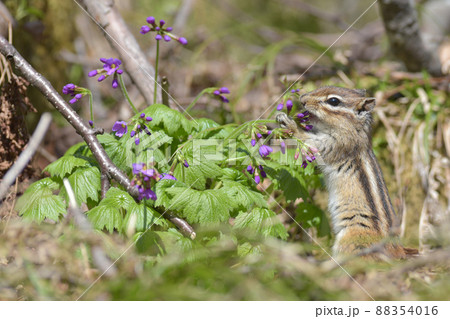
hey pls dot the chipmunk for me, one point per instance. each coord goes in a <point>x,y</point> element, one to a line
<point>361,211</point>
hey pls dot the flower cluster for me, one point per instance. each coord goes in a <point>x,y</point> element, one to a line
<point>219,94</point>
<point>308,154</point>
<point>110,67</point>
<point>162,32</point>
<point>287,100</point>
<point>143,176</point>
<point>257,172</point>
<point>75,91</point>
<point>142,179</point>
<point>264,150</point>
<point>302,119</point>
<point>121,128</point>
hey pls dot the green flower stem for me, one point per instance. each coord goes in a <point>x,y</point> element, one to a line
<point>195,100</point>
<point>91,102</point>
<point>125,93</point>
<point>156,73</point>
<point>218,185</point>
<point>243,126</point>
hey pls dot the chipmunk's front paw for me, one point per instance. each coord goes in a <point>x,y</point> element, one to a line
<point>285,121</point>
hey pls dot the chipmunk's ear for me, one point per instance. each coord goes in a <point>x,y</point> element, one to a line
<point>366,105</point>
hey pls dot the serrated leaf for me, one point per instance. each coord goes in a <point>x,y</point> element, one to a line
<point>109,212</point>
<point>195,175</point>
<point>85,183</point>
<point>173,122</point>
<point>114,149</point>
<point>143,217</point>
<point>38,202</point>
<point>261,220</point>
<point>241,196</point>
<point>65,165</point>
<point>162,197</point>
<point>312,216</point>
<point>147,150</point>
<point>205,129</point>
<point>291,183</point>
<point>201,207</point>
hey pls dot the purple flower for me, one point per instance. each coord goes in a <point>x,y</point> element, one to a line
<point>253,142</point>
<point>147,193</point>
<point>167,176</point>
<point>259,135</point>
<point>110,67</point>
<point>148,119</point>
<point>137,168</point>
<point>265,150</point>
<point>218,94</point>
<point>137,141</point>
<point>132,133</point>
<point>269,132</point>
<point>280,107</point>
<point>250,169</point>
<point>74,91</point>
<point>186,164</point>
<point>162,32</point>
<point>304,164</point>
<point>308,127</point>
<point>120,127</point>
<point>148,172</point>
<point>182,40</point>
<point>91,123</point>
<point>262,172</point>
<point>283,147</point>
<point>289,105</point>
<point>257,179</point>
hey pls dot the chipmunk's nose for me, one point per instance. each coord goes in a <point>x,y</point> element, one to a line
<point>303,98</point>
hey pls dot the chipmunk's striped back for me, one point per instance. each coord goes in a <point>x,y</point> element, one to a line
<point>361,210</point>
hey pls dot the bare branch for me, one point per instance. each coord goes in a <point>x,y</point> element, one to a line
<point>27,154</point>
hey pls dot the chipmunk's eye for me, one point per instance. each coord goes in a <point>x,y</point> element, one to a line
<point>333,101</point>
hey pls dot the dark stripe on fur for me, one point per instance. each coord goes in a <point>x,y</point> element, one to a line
<point>382,189</point>
<point>365,184</point>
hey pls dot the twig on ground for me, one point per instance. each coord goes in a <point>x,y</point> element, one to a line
<point>12,205</point>
<point>27,154</point>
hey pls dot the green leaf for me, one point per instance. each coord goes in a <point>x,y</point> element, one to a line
<point>173,122</point>
<point>109,213</point>
<point>310,215</point>
<point>196,174</point>
<point>115,150</point>
<point>85,183</point>
<point>148,149</point>
<point>163,197</point>
<point>201,207</point>
<point>261,220</point>
<point>242,196</point>
<point>65,165</point>
<point>143,217</point>
<point>204,129</point>
<point>291,183</point>
<point>38,202</point>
